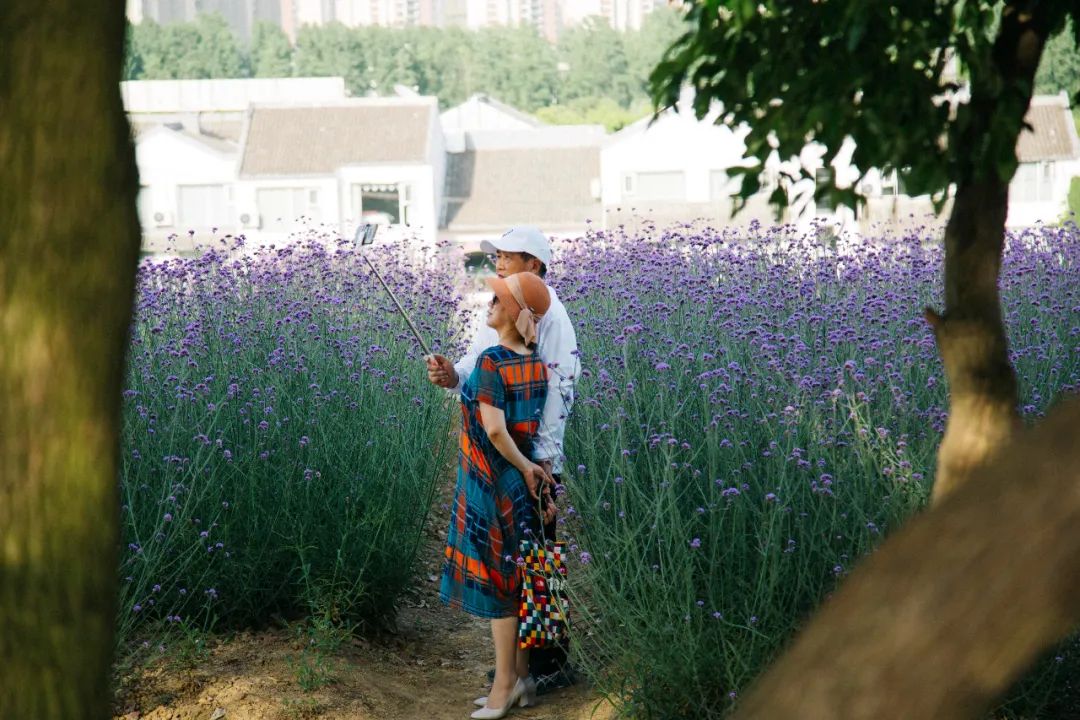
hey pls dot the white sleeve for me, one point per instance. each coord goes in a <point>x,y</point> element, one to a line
<point>559,351</point>
<point>481,342</point>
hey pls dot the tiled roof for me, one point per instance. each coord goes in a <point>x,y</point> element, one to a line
<point>549,187</point>
<point>1053,135</point>
<point>317,140</point>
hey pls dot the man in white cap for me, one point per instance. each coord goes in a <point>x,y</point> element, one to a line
<point>525,249</point>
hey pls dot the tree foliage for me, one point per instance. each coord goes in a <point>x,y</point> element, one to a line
<point>205,48</point>
<point>1060,67</point>
<point>596,63</point>
<point>877,72</point>
<point>604,69</point>
<point>594,111</point>
<point>270,54</point>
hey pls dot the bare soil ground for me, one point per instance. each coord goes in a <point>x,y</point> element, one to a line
<point>431,668</point>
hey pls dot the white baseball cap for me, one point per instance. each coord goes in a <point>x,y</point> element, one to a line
<point>521,238</point>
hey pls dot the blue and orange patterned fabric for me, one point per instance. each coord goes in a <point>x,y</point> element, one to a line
<point>492,509</point>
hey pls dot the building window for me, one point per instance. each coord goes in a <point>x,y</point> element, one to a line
<point>383,204</point>
<point>202,206</point>
<point>669,185</point>
<point>279,208</point>
<point>1033,182</point>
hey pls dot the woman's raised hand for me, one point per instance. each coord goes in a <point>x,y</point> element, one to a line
<point>440,371</point>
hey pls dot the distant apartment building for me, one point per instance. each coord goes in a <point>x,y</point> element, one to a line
<point>390,13</point>
<point>622,15</point>
<point>240,14</point>
<point>544,15</point>
<point>549,17</point>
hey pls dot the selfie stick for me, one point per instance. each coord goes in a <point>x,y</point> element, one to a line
<point>365,235</point>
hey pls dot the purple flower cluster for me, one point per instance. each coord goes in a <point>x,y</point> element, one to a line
<point>273,403</point>
<point>757,411</point>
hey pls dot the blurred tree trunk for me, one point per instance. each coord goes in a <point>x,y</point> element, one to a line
<point>950,611</point>
<point>971,334</point>
<point>69,243</point>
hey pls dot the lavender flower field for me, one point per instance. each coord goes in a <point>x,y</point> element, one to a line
<point>281,445</point>
<point>756,415</point>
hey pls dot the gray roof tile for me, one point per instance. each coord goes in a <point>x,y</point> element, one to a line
<point>1054,134</point>
<point>548,187</point>
<point>317,140</point>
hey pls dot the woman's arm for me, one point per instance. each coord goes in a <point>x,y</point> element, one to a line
<point>494,421</point>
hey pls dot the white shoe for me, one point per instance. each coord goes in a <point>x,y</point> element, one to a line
<point>520,695</point>
<point>528,701</point>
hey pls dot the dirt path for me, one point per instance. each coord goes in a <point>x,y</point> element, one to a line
<point>431,668</point>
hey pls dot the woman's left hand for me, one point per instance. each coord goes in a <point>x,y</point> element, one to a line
<point>535,478</point>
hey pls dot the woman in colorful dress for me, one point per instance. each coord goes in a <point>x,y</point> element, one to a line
<point>498,487</point>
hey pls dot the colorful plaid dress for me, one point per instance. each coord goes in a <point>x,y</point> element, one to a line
<point>492,509</point>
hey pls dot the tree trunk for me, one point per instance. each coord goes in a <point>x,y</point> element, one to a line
<point>69,243</point>
<point>971,335</point>
<point>947,614</point>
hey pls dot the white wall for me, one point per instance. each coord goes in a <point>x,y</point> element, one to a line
<point>475,114</point>
<point>437,161</point>
<point>676,142</point>
<point>167,160</point>
<point>258,230</point>
<point>1026,213</point>
<point>134,11</point>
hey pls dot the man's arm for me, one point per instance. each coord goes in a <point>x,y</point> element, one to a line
<point>559,353</point>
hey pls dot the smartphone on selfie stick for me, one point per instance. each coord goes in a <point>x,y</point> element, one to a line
<point>365,235</point>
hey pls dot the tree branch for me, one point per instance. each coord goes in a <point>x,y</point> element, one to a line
<point>948,613</point>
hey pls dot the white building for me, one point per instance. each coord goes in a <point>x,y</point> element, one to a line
<point>241,15</point>
<point>379,160</point>
<point>187,146</point>
<point>264,157</point>
<point>217,107</point>
<point>134,11</point>
<point>483,112</point>
<point>505,167</point>
<point>621,14</point>
<point>679,169</point>
<point>390,13</point>
<point>186,185</point>
<point>1049,156</point>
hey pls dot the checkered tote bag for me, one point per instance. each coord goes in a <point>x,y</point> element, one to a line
<point>543,610</point>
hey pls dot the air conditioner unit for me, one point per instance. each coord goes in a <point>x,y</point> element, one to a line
<point>163,218</point>
<point>250,219</point>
